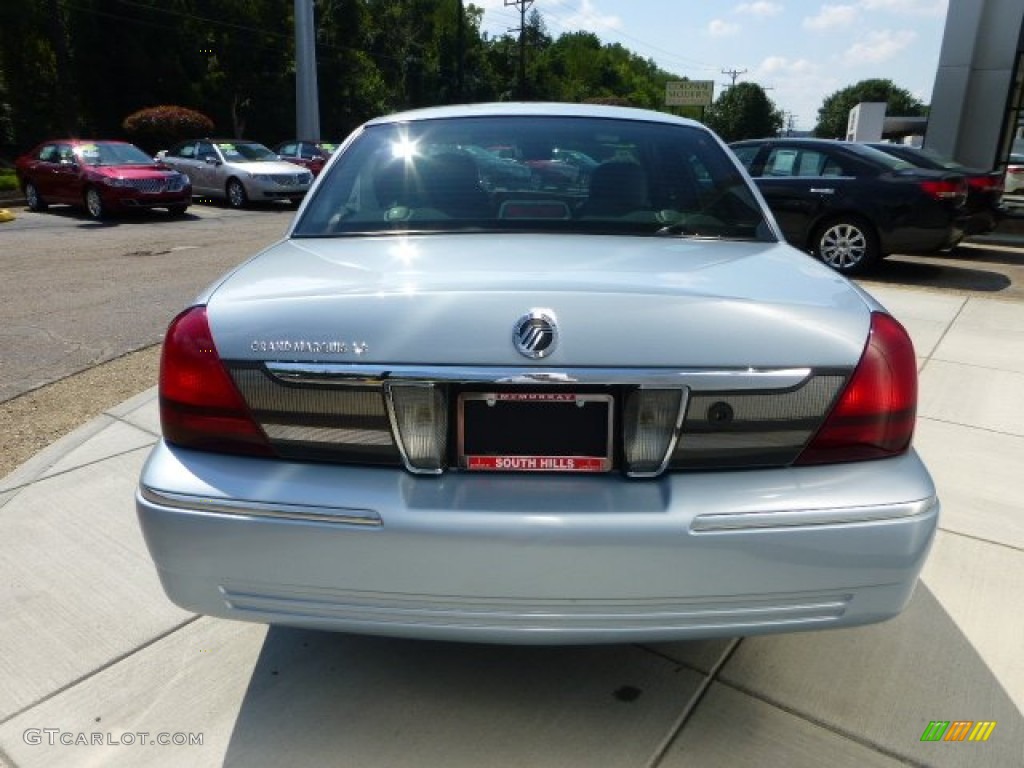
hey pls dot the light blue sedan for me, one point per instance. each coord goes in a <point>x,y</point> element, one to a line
<point>453,409</point>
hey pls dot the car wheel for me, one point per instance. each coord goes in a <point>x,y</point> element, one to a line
<point>848,245</point>
<point>32,198</point>
<point>94,203</point>
<point>236,194</point>
<point>177,210</point>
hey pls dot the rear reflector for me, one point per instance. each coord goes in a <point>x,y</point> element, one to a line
<point>874,415</point>
<point>200,407</point>
<point>419,417</point>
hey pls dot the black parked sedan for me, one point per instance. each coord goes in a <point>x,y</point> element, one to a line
<point>982,210</point>
<point>851,205</point>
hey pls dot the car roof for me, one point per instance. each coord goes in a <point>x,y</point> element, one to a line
<point>793,140</point>
<point>533,109</point>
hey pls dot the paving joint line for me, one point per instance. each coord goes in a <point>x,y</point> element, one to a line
<point>849,736</point>
<point>944,334</point>
<point>981,540</point>
<point>6,759</point>
<point>989,430</point>
<point>691,706</point>
<point>102,668</point>
<point>94,462</point>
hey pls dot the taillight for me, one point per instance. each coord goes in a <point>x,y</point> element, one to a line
<point>874,415</point>
<point>945,189</point>
<point>200,406</point>
<point>986,183</point>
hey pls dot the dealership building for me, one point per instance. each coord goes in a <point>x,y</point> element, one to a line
<point>975,113</point>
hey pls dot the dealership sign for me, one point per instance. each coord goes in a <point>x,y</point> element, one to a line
<point>689,93</point>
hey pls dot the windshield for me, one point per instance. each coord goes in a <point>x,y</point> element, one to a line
<point>514,173</point>
<point>112,153</point>
<point>247,152</point>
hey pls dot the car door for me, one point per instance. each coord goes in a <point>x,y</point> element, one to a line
<point>800,184</point>
<point>68,177</point>
<point>43,169</point>
<point>209,170</point>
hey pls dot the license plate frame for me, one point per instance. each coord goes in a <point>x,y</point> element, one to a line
<point>521,415</point>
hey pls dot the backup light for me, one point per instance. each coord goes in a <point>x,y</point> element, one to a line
<point>652,421</point>
<point>419,418</point>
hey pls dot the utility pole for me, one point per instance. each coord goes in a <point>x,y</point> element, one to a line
<point>522,6</point>
<point>307,97</point>
<point>460,53</point>
<point>733,73</point>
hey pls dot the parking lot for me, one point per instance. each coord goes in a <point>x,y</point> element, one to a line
<point>95,656</point>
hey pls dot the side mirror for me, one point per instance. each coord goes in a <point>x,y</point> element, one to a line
<point>211,160</point>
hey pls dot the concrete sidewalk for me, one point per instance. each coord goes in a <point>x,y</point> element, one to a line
<point>93,651</point>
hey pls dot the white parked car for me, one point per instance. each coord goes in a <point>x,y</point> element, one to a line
<point>237,171</point>
<point>613,412</point>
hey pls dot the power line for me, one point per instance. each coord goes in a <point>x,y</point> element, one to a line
<point>733,73</point>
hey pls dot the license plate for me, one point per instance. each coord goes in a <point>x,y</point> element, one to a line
<point>535,432</point>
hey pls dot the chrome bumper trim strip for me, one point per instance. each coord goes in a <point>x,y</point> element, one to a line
<point>240,508</point>
<point>809,517</point>
<point>698,380</point>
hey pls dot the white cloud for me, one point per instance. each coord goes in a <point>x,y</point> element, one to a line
<point>719,28</point>
<point>780,65</point>
<point>880,45</point>
<point>936,8</point>
<point>760,8</point>
<point>831,16</point>
<point>586,17</point>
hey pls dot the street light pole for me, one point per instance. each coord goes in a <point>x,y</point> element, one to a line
<point>307,99</point>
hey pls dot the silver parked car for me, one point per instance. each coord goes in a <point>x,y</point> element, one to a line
<point>625,411</point>
<point>238,171</point>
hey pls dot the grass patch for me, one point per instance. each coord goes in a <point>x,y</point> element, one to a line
<point>8,181</point>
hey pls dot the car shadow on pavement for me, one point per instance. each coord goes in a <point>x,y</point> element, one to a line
<point>935,274</point>
<point>868,694</point>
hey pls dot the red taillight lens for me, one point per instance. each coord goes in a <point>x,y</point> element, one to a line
<point>199,404</point>
<point>945,189</point>
<point>874,416</point>
<point>986,183</point>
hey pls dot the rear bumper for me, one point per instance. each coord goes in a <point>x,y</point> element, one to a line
<point>537,559</point>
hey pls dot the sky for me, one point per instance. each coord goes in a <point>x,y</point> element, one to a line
<point>800,51</point>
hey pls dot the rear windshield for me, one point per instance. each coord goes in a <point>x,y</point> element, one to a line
<point>553,174</point>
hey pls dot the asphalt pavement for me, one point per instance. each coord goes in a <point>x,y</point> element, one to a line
<point>98,668</point>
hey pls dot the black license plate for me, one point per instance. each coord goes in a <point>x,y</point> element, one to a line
<point>535,432</point>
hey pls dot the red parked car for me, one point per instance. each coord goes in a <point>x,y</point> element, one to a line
<point>102,176</point>
<point>309,154</point>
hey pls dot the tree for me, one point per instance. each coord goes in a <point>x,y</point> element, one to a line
<point>156,128</point>
<point>834,112</point>
<point>744,111</point>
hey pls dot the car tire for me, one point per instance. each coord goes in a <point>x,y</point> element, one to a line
<point>94,204</point>
<point>33,199</point>
<point>177,210</point>
<point>848,244</point>
<point>236,194</point>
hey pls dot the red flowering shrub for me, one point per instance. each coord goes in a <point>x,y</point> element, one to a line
<point>157,128</point>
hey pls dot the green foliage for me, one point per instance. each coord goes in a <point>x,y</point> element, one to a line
<point>744,111</point>
<point>8,181</point>
<point>833,115</point>
<point>157,128</point>
<point>77,67</point>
